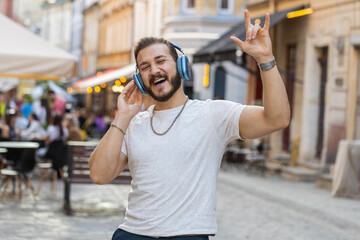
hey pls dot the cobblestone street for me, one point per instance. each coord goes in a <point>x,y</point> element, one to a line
<point>253,207</point>
<point>249,207</point>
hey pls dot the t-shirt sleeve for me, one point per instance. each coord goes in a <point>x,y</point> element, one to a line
<point>225,117</point>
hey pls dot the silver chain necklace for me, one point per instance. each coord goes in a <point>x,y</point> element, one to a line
<point>151,119</point>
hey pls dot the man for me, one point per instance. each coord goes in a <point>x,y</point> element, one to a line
<point>174,149</point>
<point>57,103</point>
<point>3,105</point>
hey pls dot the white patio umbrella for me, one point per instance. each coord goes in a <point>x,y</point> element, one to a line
<point>25,55</point>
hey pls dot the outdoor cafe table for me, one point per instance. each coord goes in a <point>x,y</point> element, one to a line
<point>13,148</point>
<point>19,144</point>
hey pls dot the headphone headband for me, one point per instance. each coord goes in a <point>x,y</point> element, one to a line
<point>177,47</point>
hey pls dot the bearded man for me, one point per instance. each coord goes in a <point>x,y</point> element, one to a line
<point>174,149</point>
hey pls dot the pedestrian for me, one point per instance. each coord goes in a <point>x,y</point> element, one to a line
<point>57,134</point>
<point>8,131</point>
<point>174,149</point>
<point>57,103</point>
<point>34,131</point>
<point>42,110</point>
<point>74,132</point>
<point>3,105</point>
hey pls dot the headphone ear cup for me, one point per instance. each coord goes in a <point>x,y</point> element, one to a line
<point>139,83</point>
<point>183,67</point>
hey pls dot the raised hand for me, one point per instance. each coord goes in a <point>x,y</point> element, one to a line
<point>258,42</point>
<point>130,100</point>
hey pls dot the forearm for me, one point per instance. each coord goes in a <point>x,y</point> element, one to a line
<point>5,132</point>
<point>275,99</point>
<point>105,161</point>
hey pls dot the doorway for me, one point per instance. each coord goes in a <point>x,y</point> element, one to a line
<point>323,62</point>
<point>289,84</point>
<point>357,114</point>
<point>220,83</point>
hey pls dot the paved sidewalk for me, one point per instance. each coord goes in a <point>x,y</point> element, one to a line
<point>303,196</point>
<point>255,207</point>
<point>249,207</point>
<point>98,212</point>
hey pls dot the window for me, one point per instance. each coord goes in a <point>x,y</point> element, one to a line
<point>190,3</point>
<point>220,83</point>
<point>226,6</point>
<point>188,6</point>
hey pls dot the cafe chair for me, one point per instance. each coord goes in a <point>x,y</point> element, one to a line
<point>8,164</point>
<point>2,158</point>
<point>24,165</point>
<point>55,159</point>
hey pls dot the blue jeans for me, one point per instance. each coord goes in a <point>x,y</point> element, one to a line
<point>120,234</point>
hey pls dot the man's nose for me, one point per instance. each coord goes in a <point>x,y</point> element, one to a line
<point>154,69</point>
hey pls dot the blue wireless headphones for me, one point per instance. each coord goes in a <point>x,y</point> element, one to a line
<point>182,65</point>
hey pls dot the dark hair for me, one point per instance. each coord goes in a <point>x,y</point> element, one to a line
<point>148,41</point>
<point>34,116</point>
<point>57,122</point>
<point>8,119</point>
<point>44,103</point>
<point>51,92</point>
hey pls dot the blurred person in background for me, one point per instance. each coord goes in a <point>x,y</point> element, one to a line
<point>4,105</point>
<point>57,135</point>
<point>89,124</point>
<point>42,110</point>
<point>57,103</point>
<point>26,107</point>
<point>74,132</point>
<point>56,130</point>
<point>3,130</point>
<point>21,122</point>
<point>80,113</point>
<point>34,131</point>
<point>100,123</point>
<point>8,131</point>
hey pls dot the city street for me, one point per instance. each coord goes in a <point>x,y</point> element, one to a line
<point>249,207</point>
<point>264,85</point>
<point>253,207</point>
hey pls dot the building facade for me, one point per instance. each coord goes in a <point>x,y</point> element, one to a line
<point>318,56</point>
<point>108,56</point>
<point>192,24</point>
<point>90,38</point>
<point>57,23</point>
<point>77,33</point>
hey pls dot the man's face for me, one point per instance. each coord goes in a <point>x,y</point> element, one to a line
<point>158,71</point>
<point>52,97</point>
<point>2,98</point>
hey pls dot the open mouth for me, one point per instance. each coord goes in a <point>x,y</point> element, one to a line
<point>159,81</point>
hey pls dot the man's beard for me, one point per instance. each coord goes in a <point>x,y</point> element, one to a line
<point>175,83</point>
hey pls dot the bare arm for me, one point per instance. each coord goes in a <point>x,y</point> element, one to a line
<point>5,131</point>
<point>107,161</point>
<point>258,121</point>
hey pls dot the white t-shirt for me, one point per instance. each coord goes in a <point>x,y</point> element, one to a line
<point>34,131</point>
<point>53,133</point>
<point>173,191</point>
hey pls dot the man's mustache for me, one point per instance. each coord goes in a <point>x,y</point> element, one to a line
<point>154,77</point>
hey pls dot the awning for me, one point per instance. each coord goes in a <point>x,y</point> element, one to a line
<point>104,77</point>
<point>26,55</point>
<point>225,49</point>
